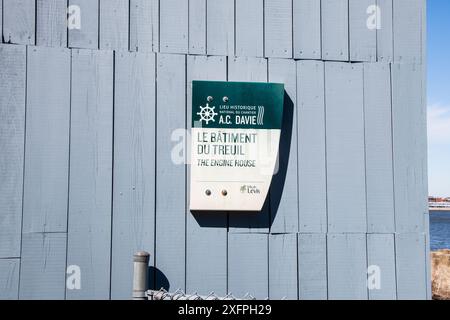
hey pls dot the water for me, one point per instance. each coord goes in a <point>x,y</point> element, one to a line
<point>440,230</point>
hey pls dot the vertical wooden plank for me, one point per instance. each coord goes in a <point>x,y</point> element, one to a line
<point>174,25</point>
<point>1,21</point>
<point>206,273</point>
<point>378,137</point>
<point>345,147</point>
<point>312,266</point>
<point>144,25</point>
<point>283,283</point>
<point>411,266</point>
<point>12,134</point>
<point>86,36</point>
<point>220,27</point>
<point>250,28</point>
<point>248,265</point>
<point>347,267</point>
<point>254,70</point>
<point>171,171</point>
<point>43,264</point>
<point>424,30</point>
<point>89,227</point>
<point>51,23</point>
<point>284,188</point>
<point>335,42</point>
<point>9,279</point>
<point>206,232</point>
<point>424,122</point>
<point>247,69</point>
<point>409,140</point>
<point>244,247</point>
<point>385,43</point>
<point>381,258</point>
<point>134,166</point>
<point>19,25</point>
<point>197,26</point>
<point>307,29</point>
<point>47,140</point>
<point>114,24</point>
<point>363,40</point>
<point>312,188</point>
<point>408,26</point>
<point>278,28</point>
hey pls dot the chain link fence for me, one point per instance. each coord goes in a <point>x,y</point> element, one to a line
<point>180,295</point>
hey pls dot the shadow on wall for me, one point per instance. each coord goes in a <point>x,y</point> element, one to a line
<point>157,279</point>
<point>265,218</point>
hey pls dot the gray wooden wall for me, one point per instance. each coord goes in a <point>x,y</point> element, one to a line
<point>90,119</point>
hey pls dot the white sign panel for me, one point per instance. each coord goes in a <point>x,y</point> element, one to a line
<point>236,129</point>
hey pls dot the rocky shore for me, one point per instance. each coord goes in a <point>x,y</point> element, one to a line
<point>440,274</point>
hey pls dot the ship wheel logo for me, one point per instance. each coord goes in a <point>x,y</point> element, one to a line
<point>207,114</point>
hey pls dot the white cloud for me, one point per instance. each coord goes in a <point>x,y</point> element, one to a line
<point>438,124</point>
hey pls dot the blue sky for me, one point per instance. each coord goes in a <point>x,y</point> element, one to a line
<point>439,97</point>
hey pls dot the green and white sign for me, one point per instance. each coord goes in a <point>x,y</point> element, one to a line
<point>236,128</point>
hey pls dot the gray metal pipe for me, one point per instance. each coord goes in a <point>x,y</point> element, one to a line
<point>140,275</point>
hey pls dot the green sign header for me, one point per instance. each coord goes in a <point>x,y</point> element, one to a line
<point>245,105</point>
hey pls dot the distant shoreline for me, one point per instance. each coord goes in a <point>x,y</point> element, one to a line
<point>439,209</point>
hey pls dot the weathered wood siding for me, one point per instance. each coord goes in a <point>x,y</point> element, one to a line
<point>93,145</point>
